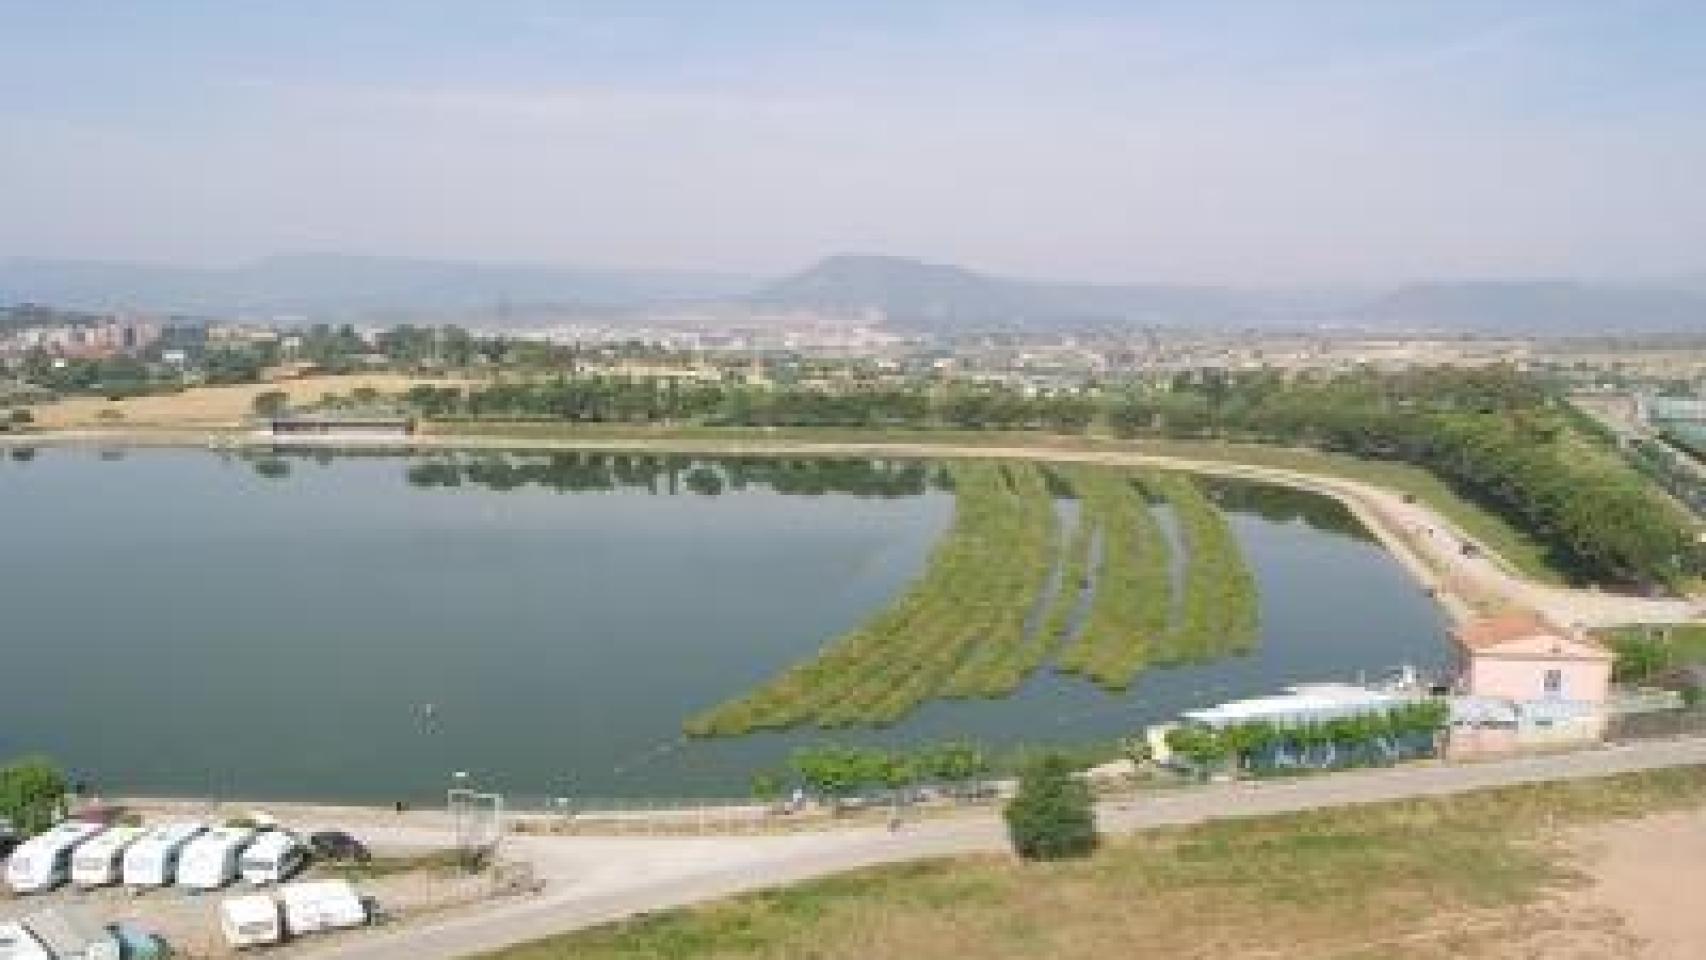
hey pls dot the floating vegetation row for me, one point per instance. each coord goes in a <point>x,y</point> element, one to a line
<point>1132,598</point>
<point>959,630</point>
<point>981,618</point>
<point>1217,613</point>
<point>1073,585</point>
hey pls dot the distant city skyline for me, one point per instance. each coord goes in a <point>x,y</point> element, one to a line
<point>1329,142</point>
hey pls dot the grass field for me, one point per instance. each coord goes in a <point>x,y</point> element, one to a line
<point>1521,550</point>
<point>1465,877</point>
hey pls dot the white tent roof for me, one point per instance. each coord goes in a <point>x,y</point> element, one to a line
<point>1315,701</point>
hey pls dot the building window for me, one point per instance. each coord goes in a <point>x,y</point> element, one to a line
<point>1554,682</point>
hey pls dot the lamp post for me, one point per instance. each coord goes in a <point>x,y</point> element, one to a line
<point>465,806</point>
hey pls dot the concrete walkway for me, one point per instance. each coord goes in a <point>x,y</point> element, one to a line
<point>593,880</point>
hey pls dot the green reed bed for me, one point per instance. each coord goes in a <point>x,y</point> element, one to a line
<point>1133,585</point>
<point>958,629</point>
<point>1217,611</point>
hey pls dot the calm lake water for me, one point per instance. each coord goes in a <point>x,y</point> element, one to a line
<point>179,622</point>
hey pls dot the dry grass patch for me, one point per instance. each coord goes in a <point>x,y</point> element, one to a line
<point>207,407</point>
<point>1472,876</point>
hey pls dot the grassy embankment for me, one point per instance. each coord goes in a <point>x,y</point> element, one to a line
<point>1452,877</point>
<point>1520,550</point>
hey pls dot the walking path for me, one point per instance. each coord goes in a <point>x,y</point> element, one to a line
<point>593,880</point>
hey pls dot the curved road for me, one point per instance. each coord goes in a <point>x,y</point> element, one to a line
<point>593,880</point>
<point>1427,543</point>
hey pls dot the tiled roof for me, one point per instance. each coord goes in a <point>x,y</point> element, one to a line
<point>1493,631</point>
<point>1507,628</point>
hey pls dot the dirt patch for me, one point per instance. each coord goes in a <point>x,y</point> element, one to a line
<point>208,407</point>
<point>1652,873</point>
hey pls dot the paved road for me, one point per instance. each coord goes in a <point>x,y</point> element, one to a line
<point>592,880</point>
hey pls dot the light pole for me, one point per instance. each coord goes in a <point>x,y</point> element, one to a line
<point>465,806</point>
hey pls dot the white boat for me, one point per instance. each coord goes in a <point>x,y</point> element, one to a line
<point>152,861</point>
<point>212,860</point>
<point>44,861</point>
<point>100,862</point>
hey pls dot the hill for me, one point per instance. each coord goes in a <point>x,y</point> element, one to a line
<point>940,298</point>
<point>1547,307</point>
<point>337,284</point>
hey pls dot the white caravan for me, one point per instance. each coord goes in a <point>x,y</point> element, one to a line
<point>251,921</point>
<point>211,860</point>
<point>100,862</point>
<point>315,905</point>
<point>273,858</point>
<point>44,861</point>
<point>73,935</point>
<point>152,861</point>
<point>18,943</point>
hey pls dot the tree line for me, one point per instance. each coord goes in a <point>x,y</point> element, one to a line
<point>1501,438</point>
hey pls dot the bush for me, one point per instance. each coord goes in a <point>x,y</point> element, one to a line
<point>32,793</point>
<point>1052,817</point>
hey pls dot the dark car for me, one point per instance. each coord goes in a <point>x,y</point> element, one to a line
<point>338,845</point>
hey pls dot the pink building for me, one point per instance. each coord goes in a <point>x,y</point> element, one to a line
<point>1523,682</point>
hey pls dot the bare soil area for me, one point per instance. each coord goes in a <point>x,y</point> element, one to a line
<point>1651,872</point>
<point>207,407</point>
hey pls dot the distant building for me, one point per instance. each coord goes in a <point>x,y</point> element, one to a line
<point>1524,682</point>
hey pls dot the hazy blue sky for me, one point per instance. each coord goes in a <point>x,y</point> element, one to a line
<point>1197,140</point>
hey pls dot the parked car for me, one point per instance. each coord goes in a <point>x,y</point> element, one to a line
<point>338,845</point>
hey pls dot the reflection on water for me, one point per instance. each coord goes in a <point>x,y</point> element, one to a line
<point>274,625</point>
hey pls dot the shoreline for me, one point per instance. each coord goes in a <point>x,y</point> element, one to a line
<point>1426,544</point>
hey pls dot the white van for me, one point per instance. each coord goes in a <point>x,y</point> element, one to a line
<point>251,921</point>
<point>274,857</point>
<point>211,860</point>
<point>100,862</point>
<point>73,935</point>
<point>17,943</point>
<point>44,861</point>
<point>152,861</point>
<point>315,905</point>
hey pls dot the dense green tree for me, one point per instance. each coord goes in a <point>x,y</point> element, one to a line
<point>32,793</point>
<point>1052,817</point>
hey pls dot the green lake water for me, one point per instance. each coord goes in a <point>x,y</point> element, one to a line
<point>357,628</point>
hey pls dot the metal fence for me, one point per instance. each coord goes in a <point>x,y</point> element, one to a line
<point>1658,724</point>
<point>690,816</point>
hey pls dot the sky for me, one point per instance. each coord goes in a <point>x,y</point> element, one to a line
<point>1360,141</point>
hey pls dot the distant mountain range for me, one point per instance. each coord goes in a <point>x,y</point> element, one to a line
<point>938,298</point>
<point>906,294</point>
<point>1557,307</point>
<point>345,286</point>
